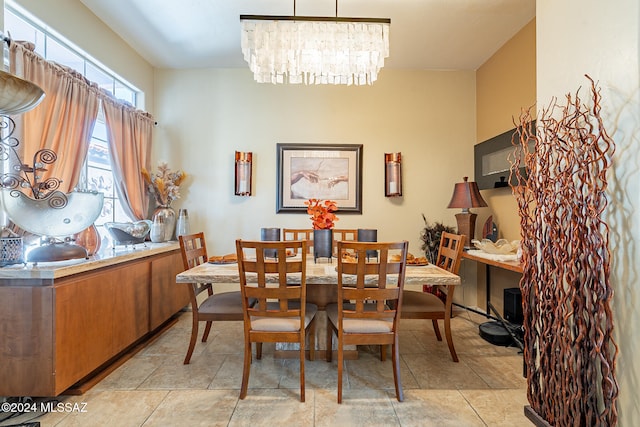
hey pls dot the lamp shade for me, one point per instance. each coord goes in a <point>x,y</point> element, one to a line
<point>466,195</point>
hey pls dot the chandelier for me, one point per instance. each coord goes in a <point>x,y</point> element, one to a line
<point>314,49</point>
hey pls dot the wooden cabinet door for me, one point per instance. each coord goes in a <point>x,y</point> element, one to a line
<point>97,316</point>
<point>167,296</point>
<point>26,336</point>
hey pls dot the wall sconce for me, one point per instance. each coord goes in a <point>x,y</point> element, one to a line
<point>393,174</point>
<point>243,173</point>
<point>466,195</point>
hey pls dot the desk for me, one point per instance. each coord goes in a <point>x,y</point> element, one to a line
<point>477,256</point>
<point>322,280</point>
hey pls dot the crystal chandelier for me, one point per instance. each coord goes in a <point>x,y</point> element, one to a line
<point>315,49</point>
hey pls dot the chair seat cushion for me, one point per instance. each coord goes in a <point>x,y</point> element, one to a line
<point>223,303</point>
<point>283,324</point>
<point>361,326</point>
<point>423,302</point>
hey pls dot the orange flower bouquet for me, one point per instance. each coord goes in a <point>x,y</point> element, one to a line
<point>321,212</point>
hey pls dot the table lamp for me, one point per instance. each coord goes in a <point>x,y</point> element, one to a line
<point>466,195</point>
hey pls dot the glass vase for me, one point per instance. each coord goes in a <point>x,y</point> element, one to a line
<point>157,229</point>
<point>182,225</point>
<point>168,216</point>
<point>89,238</point>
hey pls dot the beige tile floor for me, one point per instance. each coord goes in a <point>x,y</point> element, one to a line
<point>154,388</point>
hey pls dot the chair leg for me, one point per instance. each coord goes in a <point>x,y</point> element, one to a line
<point>329,347</point>
<point>312,339</point>
<point>436,329</point>
<point>302,357</point>
<point>340,366</point>
<point>246,368</point>
<point>383,352</point>
<point>395,356</point>
<point>192,341</point>
<point>258,350</point>
<point>207,329</point>
<point>447,333</point>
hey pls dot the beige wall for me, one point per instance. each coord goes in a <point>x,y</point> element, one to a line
<point>505,85</point>
<point>205,115</point>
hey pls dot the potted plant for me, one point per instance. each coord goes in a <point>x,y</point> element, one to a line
<point>323,220</point>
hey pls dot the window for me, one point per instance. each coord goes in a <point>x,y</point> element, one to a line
<point>97,174</point>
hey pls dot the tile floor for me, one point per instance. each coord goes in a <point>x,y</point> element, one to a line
<point>154,388</point>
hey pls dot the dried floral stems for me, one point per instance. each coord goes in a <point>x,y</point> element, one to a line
<point>570,354</point>
<point>164,184</point>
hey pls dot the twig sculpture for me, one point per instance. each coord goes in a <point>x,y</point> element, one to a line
<point>570,354</point>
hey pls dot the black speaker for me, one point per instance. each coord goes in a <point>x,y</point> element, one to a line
<point>513,306</point>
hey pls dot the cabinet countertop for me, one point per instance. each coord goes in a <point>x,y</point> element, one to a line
<point>104,258</point>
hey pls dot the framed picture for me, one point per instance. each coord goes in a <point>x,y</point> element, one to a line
<point>319,171</point>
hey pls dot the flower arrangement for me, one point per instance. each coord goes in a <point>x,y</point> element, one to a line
<point>322,215</point>
<point>164,184</point>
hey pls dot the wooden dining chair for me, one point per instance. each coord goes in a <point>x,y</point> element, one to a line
<point>426,305</point>
<point>281,312</point>
<point>225,306</point>
<point>299,234</point>
<point>343,234</point>
<point>369,302</point>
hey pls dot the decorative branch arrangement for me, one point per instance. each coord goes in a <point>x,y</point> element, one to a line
<point>570,354</point>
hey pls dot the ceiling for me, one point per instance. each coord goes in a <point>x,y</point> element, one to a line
<point>425,34</point>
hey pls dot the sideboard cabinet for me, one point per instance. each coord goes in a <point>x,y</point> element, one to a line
<point>59,325</point>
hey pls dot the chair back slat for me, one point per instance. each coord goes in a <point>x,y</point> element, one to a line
<point>378,282</point>
<point>194,252</point>
<point>281,281</point>
<point>343,234</point>
<point>450,252</point>
<point>299,234</point>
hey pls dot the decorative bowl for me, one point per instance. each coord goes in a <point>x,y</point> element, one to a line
<point>128,233</point>
<point>500,247</point>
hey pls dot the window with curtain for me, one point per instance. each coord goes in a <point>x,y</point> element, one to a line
<point>97,171</point>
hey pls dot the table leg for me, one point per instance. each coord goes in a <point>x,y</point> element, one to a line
<point>487,276</point>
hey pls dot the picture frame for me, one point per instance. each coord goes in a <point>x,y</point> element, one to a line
<point>319,171</point>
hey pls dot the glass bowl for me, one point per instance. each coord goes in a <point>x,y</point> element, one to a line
<point>128,233</point>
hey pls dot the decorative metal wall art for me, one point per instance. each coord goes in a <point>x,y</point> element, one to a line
<point>392,174</point>
<point>243,173</point>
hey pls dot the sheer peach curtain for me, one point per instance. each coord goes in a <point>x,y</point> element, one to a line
<point>129,132</point>
<point>63,121</point>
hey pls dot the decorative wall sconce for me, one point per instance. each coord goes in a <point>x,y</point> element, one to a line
<point>243,173</point>
<point>466,195</point>
<point>393,174</point>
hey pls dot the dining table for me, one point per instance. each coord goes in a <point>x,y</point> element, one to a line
<point>321,279</point>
